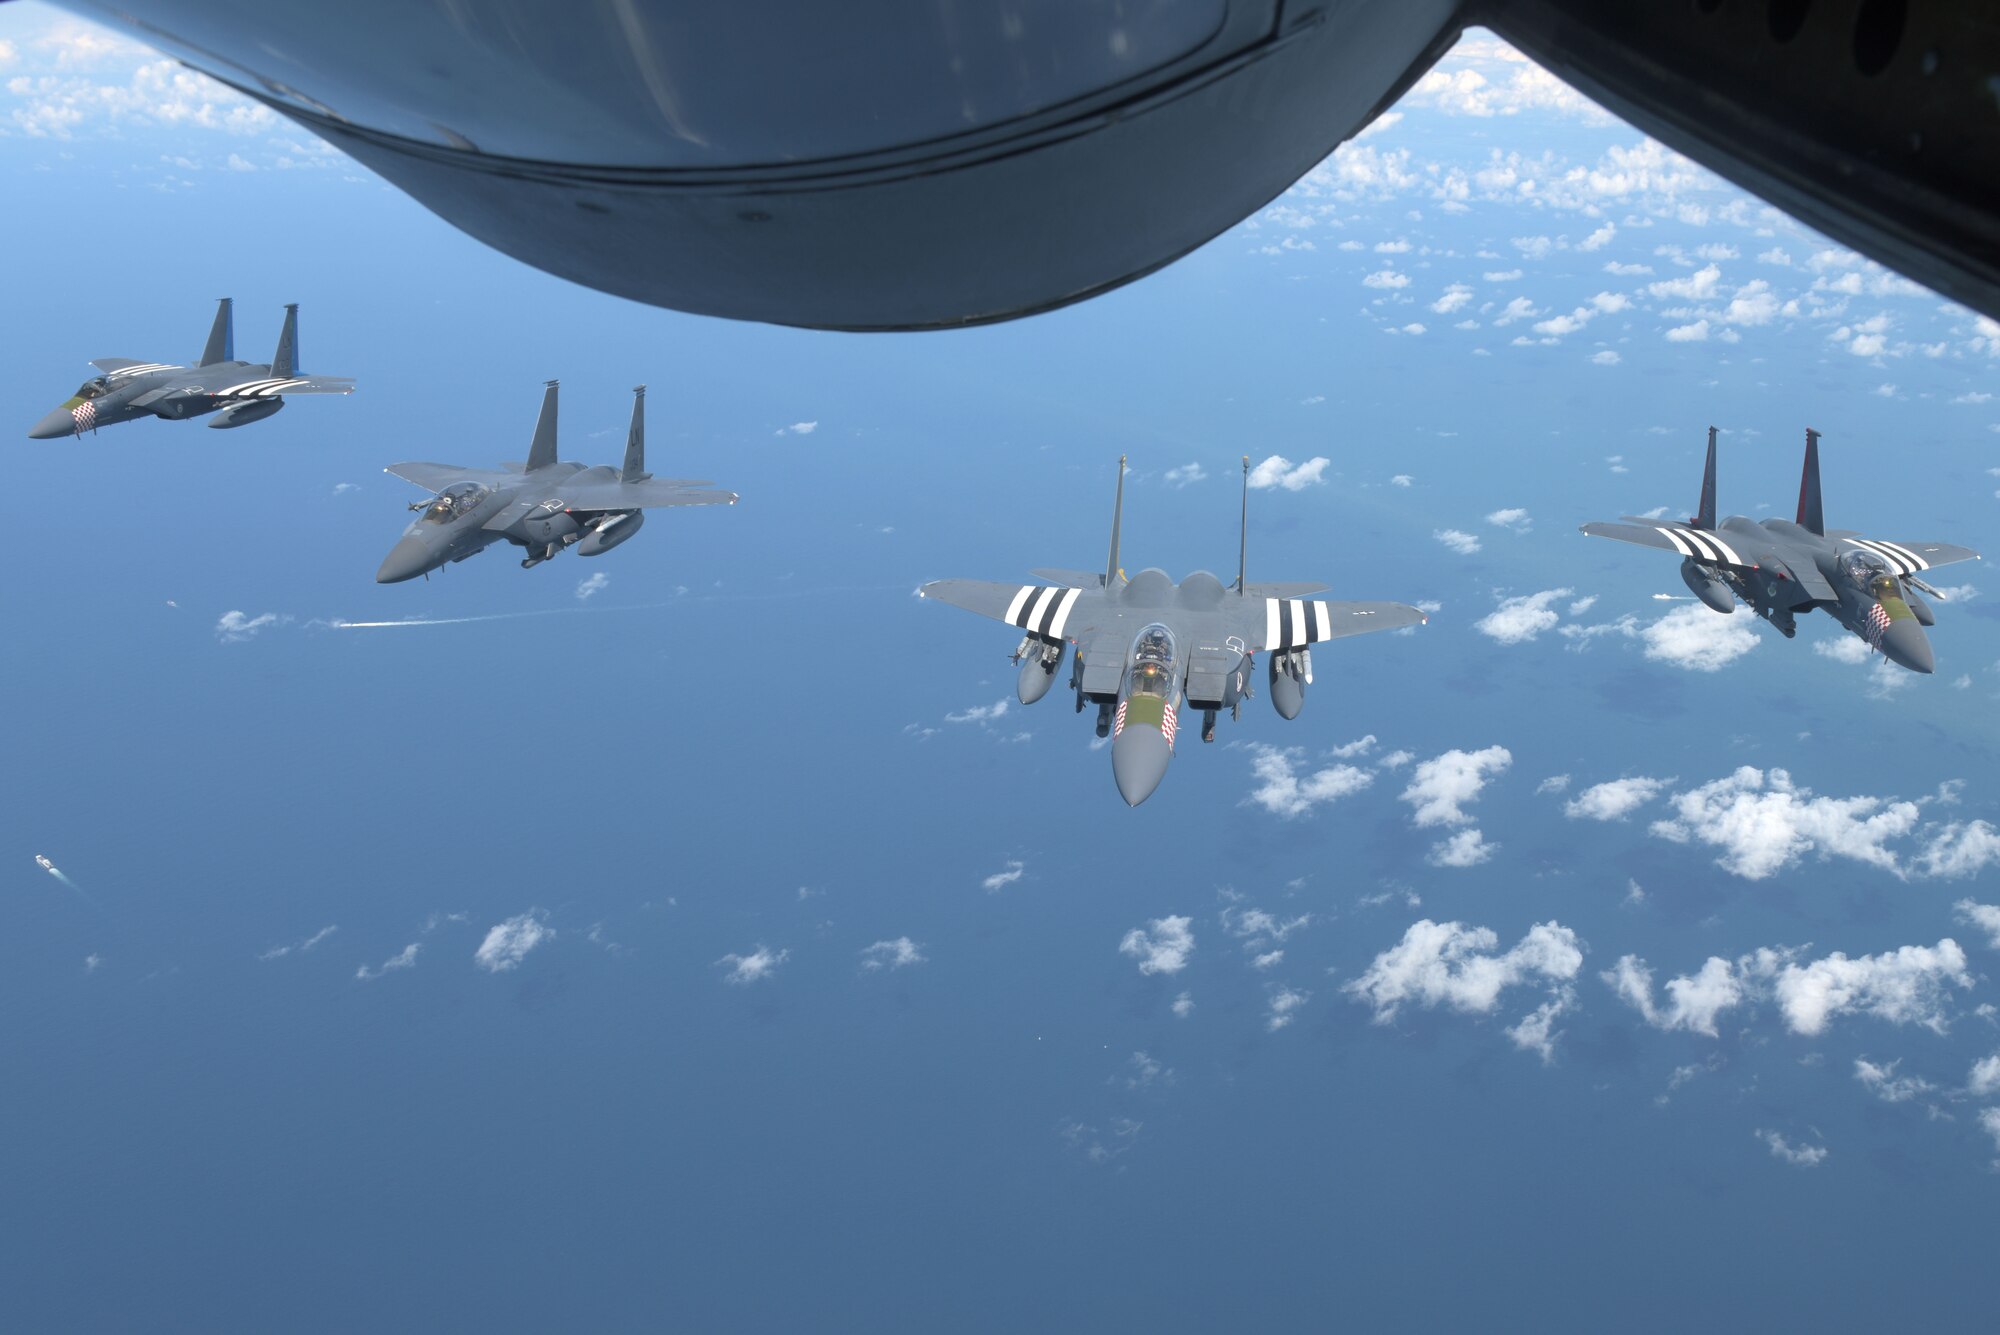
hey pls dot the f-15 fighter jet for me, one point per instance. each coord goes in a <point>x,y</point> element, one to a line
<point>1784,567</point>
<point>1146,644</point>
<point>541,506</point>
<point>239,393</point>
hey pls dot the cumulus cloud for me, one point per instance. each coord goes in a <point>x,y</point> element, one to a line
<point>298,947</point>
<point>1360,746</point>
<point>1689,333</point>
<point>1798,1156</point>
<point>1284,791</point>
<point>1513,518</point>
<point>1187,475</point>
<point>1455,297</point>
<point>1402,480</point>
<point>1986,917</point>
<point>1465,544</point>
<point>1520,619</point>
<point>1284,1004</point>
<point>1183,1005</point>
<point>1698,286</point>
<point>1908,985</point>
<point>1439,787</point>
<point>1960,849</point>
<point>1695,638</point>
<point>1883,1082</point>
<point>508,943</point>
<point>981,713</point>
<point>896,954</point>
<point>1387,279</point>
<point>1604,358</point>
<point>800,428</point>
<point>1763,822</point>
<point>406,958</point>
<point>1000,880</point>
<point>1162,946</point>
<point>1614,800</point>
<point>1452,965</point>
<point>1467,848</point>
<point>758,965</point>
<point>235,627</point>
<point>1278,471</point>
<point>596,582</point>
<point>1983,1081</point>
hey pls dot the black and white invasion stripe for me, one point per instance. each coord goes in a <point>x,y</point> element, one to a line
<point>1042,609</point>
<point>266,388</point>
<point>1900,558</point>
<point>1704,545</point>
<point>1290,623</point>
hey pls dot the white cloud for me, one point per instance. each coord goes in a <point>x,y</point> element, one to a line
<point>1386,278</point>
<point>1983,1081</point>
<point>1398,247</point>
<point>1883,1082</point>
<point>1440,786</point>
<point>1455,297</point>
<point>1513,518</point>
<point>298,947</point>
<point>1695,638</point>
<point>235,627</point>
<point>1693,1003</point>
<point>800,428</point>
<point>1763,822</point>
<point>1284,1002</point>
<point>1536,1031</point>
<point>758,965</point>
<point>1605,358</point>
<point>1269,960</point>
<point>1465,544</point>
<point>1402,480</point>
<point>1698,286</point>
<point>1989,1119</point>
<point>1452,965</point>
<point>508,943</point>
<point>1555,783</point>
<point>1986,917</point>
<point>1956,849</point>
<point>1598,239</point>
<point>1467,848</point>
<point>895,954</point>
<point>1688,333</point>
<point>980,713</point>
<point>595,583</point>
<point>1282,791</point>
<point>1187,474</point>
<point>1902,986</point>
<point>1000,880</point>
<point>1397,759</point>
<point>1278,471</point>
<point>1520,619</point>
<point>1183,1005</point>
<point>1614,800</point>
<point>406,958</point>
<point>1360,746</point>
<point>1162,946</point>
<point>1798,1156</point>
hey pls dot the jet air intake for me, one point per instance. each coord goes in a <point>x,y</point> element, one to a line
<point>1707,587</point>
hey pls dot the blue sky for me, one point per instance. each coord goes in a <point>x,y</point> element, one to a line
<point>720,946</point>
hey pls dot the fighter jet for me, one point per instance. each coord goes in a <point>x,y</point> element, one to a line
<point>541,506</point>
<point>1145,644</point>
<point>1784,567</point>
<point>239,393</point>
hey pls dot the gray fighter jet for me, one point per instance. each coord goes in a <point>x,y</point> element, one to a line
<point>1784,567</point>
<point>239,393</point>
<point>542,506</point>
<point>1145,644</point>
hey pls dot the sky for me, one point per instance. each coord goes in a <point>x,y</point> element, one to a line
<point>702,936</point>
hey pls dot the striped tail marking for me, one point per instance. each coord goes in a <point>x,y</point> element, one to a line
<point>1042,609</point>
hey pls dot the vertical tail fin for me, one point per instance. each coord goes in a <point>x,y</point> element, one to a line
<point>635,442</point>
<point>1812,517</point>
<point>1243,540</point>
<point>1706,517</point>
<point>1117,513</point>
<point>285,361</point>
<point>221,335</point>
<point>543,452</point>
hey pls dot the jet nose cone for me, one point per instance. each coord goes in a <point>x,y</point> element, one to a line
<point>1139,759</point>
<point>1906,644</point>
<point>406,560</point>
<point>55,426</point>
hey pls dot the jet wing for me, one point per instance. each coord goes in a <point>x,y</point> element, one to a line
<point>436,477</point>
<point>1305,590</point>
<point>110,364</point>
<point>1075,579</point>
<point>271,387</point>
<point>1911,558</point>
<point>1046,610</point>
<point>1700,544</point>
<point>1292,623</point>
<point>648,495</point>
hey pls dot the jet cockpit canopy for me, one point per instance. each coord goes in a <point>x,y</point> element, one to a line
<point>460,498</point>
<point>1153,655</point>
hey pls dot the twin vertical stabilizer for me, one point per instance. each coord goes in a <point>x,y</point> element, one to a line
<point>635,440</point>
<point>1705,517</point>
<point>1117,512</point>
<point>1243,534</point>
<point>285,361</point>
<point>542,452</point>
<point>221,336</point>
<point>1812,517</point>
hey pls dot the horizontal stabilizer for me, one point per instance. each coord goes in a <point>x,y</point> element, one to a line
<point>1076,579</point>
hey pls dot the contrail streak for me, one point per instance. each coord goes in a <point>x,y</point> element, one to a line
<point>55,871</point>
<point>338,624</point>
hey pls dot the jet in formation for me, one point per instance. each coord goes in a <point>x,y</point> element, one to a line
<point>1146,644</point>
<point>239,393</point>
<point>1781,568</point>
<point>542,506</point>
